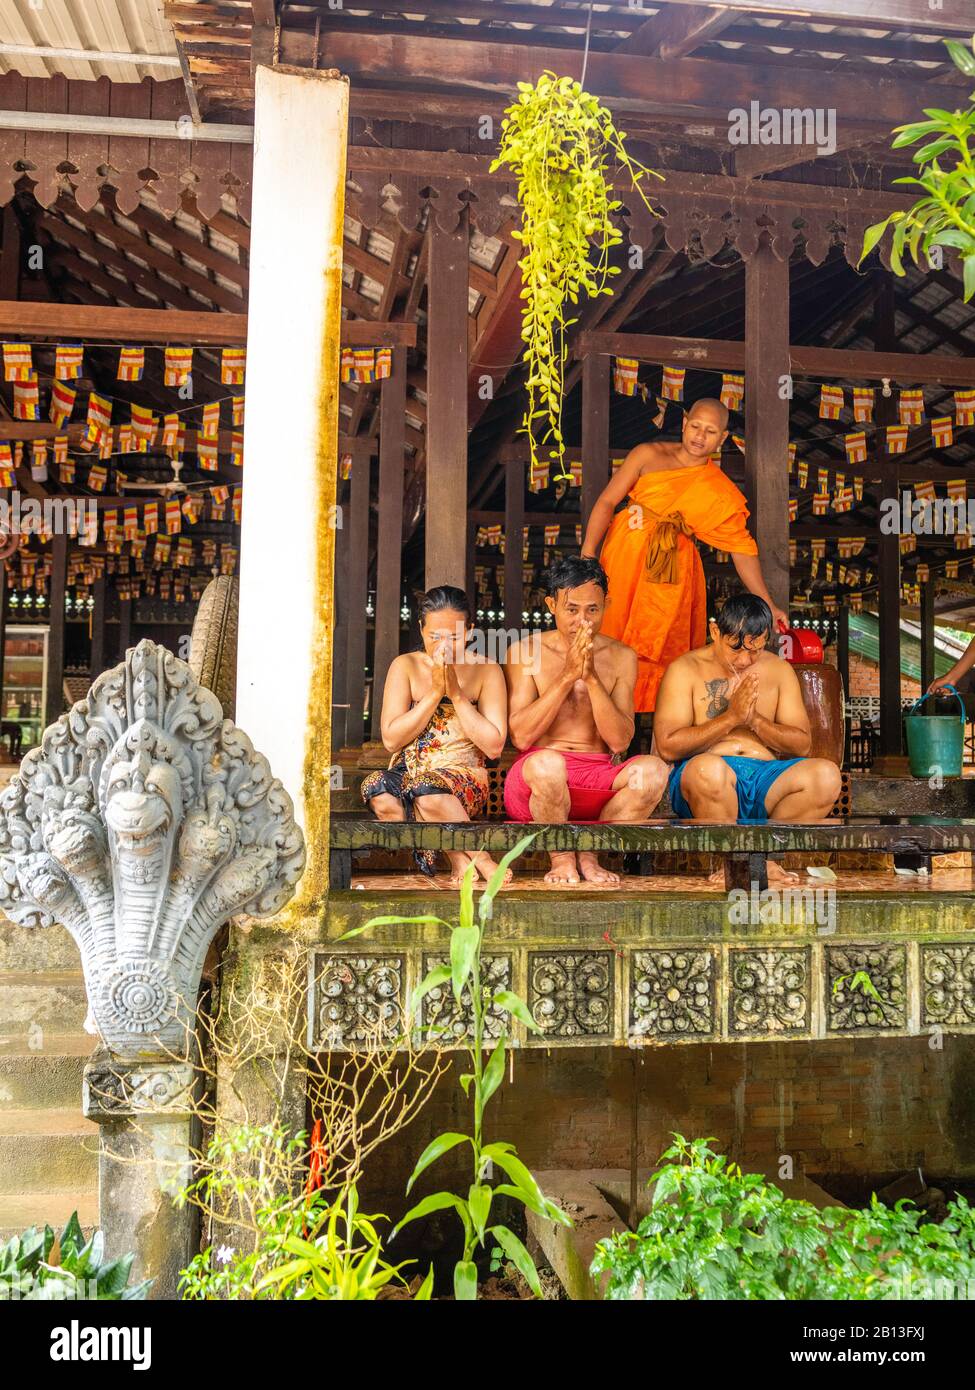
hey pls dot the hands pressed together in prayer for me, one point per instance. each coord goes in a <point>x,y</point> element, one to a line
<point>743,698</point>
<point>579,664</point>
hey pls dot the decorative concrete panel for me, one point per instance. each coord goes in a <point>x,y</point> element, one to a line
<point>358,1000</point>
<point>948,985</point>
<point>445,1020</point>
<point>769,991</point>
<point>570,994</point>
<point>866,988</point>
<point>672,994</point>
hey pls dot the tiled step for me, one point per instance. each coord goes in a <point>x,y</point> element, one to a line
<point>39,1080</point>
<point>47,1151</point>
<point>42,1005</point>
<point>18,1211</point>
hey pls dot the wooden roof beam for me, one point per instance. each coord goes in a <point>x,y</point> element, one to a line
<point>674,32</point>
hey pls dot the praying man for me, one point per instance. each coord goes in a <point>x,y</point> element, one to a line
<point>657,598</point>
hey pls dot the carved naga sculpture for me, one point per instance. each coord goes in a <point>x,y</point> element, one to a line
<point>143,822</point>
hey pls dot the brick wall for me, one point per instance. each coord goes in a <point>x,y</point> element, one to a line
<point>860,1106</point>
<point>865,677</point>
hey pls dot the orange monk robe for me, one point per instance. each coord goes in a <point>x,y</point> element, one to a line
<point>657,600</point>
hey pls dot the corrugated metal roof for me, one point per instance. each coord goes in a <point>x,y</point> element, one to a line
<point>95,26</point>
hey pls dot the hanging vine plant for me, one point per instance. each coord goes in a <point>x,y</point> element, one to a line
<point>560,141</point>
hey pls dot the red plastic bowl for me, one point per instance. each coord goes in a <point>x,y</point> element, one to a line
<point>801,646</point>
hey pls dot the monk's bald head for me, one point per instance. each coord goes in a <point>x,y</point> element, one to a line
<point>704,432</point>
<point>709,406</point>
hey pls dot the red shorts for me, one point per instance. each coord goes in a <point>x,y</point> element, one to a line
<point>590,777</point>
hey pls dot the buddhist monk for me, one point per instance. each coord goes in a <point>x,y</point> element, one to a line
<point>657,601</point>
<point>570,713</point>
<point>731,719</point>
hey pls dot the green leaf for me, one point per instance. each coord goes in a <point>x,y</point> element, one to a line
<point>497,878</point>
<point>434,1150</point>
<point>968,269</point>
<point>439,975</point>
<point>467,896</point>
<point>437,1201</point>
<point>516,1006</point>
<point>519,1257</point>
<point>870,239</point>
<point>465,1281</point>
<point>392,922</point>
<point>494,1071</point>
<point>961,55</point>
<point>479,1206</point>
<point>425,1290</point>
<point>464,942</point>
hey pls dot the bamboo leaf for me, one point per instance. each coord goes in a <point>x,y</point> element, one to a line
<point>465,1281</point>
<point>434,1150</point>
<point>519,1257</point>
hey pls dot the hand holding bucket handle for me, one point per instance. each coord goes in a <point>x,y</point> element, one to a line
<point>940,691</point>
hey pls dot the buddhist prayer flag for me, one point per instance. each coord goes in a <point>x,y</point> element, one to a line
<point>793,508</point>
<point>829,571</point>
<point>237,412</point>
<point>99,415</point>
<point>62,403</point>
<point>942,433</point>
<point>38,463</point>
<point>830,402</point>
<point>236,503</point>
<point>908,544</point>
<point>17,363</point>
<point>822,480</point>
<point>97,475</point>
<point>384,363</point>
<point>6,466</point>
<point>27,398</point>
<point>965,407</point>
<point>843,501</point>
<point>206,454</point>
<point>896,439</point>
<point>211,420</point>
<point>237,448</point>
<point>925,490</point>
<point>625,371</point>
<point>856,447</point>
<point>192,507</point>
<point>962,540</point>
<point>232,364</point>
<point>110,524</point>
<point>346,364</point>
<point>802,473</point>
<point>910,407</point>
<point>345,467</point>
<point>578,535</point>
<point>126,439</point>
<point>143,425</point>
<point>67,361</point>
<point>552,534</point>
<point>862,404</point>
<point>672,386</point>
<point>170,434</point>
<point>732,390</point>
<point>923,574</point>
<point>858,488</point>
<point>538,476</point>
<point>150,518</point>
<point>178,365</point>
<point>131,363</point>
<point>958,489</point>
<point>162,548</point>
<point>792,455</point>
<point>575,473</point>
<point>105,444</point>
<point>66,471</point>
<point>130,520</point>
<point>951,569</point>
<point>739,442</point>
<point>820,504</point>
<point>173,522</point>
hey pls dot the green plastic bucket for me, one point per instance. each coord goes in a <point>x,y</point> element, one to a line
<point>936,742</point>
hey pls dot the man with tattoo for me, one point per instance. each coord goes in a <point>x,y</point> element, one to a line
<point>570,711</point>
<point>730,717</point>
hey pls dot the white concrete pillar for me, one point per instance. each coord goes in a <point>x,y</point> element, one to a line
<point>291,430</point>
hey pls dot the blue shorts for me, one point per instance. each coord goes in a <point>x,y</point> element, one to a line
<point>754,778</point>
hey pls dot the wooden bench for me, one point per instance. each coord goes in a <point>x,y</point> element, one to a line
<point>745,848</point>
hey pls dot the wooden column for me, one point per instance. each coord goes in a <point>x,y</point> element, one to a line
<point>357,580</point>
<point>595,430</point>
<point>98,628</point>
<point>447,368</point>
<point>843,666</point>
<point>389,546</point>
<point>124,627</point>
<point>514,537</point>
<point>3,633</point>
<point>767,414</point>
<point>55,640</point>
<point>927,636</point>
<point>470,583</point>
<point>10,255</point>
<point>340,662</point>
<point>889,553</point>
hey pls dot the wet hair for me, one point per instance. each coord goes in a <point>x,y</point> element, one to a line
<point>570,571</point>
<point>746,615</point>
<point>445,597</point>
<point>720,407</point>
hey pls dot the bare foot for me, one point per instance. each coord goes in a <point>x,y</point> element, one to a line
<point>593,872</point>
<point>458,867</point>
<point>717,878</point>
<point>776,873</point>
<point>563,868</point>
<point>486,866</point>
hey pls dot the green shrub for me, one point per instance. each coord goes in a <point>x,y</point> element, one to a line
<point>716,1233</point>
<point>41,1266</point>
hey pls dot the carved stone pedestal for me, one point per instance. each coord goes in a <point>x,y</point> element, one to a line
<point>147,1131</point>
